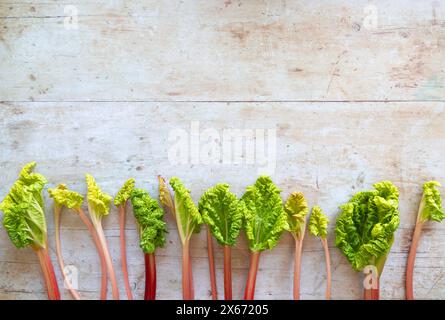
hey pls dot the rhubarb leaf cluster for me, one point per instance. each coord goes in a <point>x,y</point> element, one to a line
<point>318,223</point>
<point>431,205</point>
<point>23,208</point>
<point>264,218</point>
<point>223,213</point>
<point>124,193</point>
<point>66,198</point>
<point>98,201</point>
<point>187,214</point>
<point>366,225</point>
<point>149,216</point>
<point>296,209</point>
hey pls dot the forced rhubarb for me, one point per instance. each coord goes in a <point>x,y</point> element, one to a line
<point>188,220</point>
<point>121,201</point>
<point>365,232</point>
<point>430,209</point>
<point>98,207</point>
<point>223,213</point>
<point>264,222</point>
<point>152,230</point>
<point>73,201</point>
<point>296,210</point>
<point>318,227</point>
<point>24,220</point>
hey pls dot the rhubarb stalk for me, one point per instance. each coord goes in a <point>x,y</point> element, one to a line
<point>430,209</point>
<point>365,231</point>
<point>63,197</point>
<point>98,207</point>
<point>318,227</point>
<point>152,230</point>
<point>264,222</point>
<point>296,210</point>
<point>103,263</point>
<point>150,277</point>
<point>211,266</point>
<point>249,293</point>
<point>73,200</point>
<point>49,275</point>
<point>188,220</point>
<point>120,201</point>
<point>297,265</point>
<point>24,221</point>
<point>227,272</point>
<point>223,213</point>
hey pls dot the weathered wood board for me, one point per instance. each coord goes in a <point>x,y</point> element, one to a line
<point>351,104</point>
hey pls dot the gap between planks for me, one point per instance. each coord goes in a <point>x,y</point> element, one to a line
<point>223,101</point>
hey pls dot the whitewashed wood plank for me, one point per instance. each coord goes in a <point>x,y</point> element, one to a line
<point>219,51</point>
<point>326,150</point>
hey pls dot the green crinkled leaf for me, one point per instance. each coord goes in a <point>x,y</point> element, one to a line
<point>149,216</point>
<point>318,223</point>
<point>223,213</point>
<point>66,198</point>
<point>23,208</point>
<point>296,209</point>
<point>431,205</point>
<point>366,225</point>
<point>264,218</point>
<point>98,202</point>
<point>124,193</point>
<point>187,214</point>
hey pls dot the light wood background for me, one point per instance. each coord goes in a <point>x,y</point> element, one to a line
<point>353,103</point>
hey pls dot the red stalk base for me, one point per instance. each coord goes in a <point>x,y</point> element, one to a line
<point>411,261</point>
<point>150,276</point>
<point>372,293</point>
<point>187,276</point>
<point>48,273</point>
<point>211,265</point>
<point>227,273</point>
<point>251,278</point>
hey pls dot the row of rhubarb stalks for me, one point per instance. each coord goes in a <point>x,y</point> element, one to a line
<point>364,230</point>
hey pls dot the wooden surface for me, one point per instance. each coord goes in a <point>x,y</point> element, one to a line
<point>351,105</point>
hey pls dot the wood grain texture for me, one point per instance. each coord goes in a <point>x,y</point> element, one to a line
<point>328,151</point>
<point>222,50</point>
<point>351,105</point>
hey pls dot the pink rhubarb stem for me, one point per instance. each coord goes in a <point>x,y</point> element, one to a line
<point>251,277</point>
<point>124,250</point>
<point>109,263</point>
<point>187,291</point>
<point>57,214</point>
<point>372,293</point>
<point>297,266</point>
<point>211,265</point>
<point>328,267</point>
<point>227,273</point>
<point>103,263</point>
<point>48,273</point>
<point>150,277</point>
<point>411,260</point>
